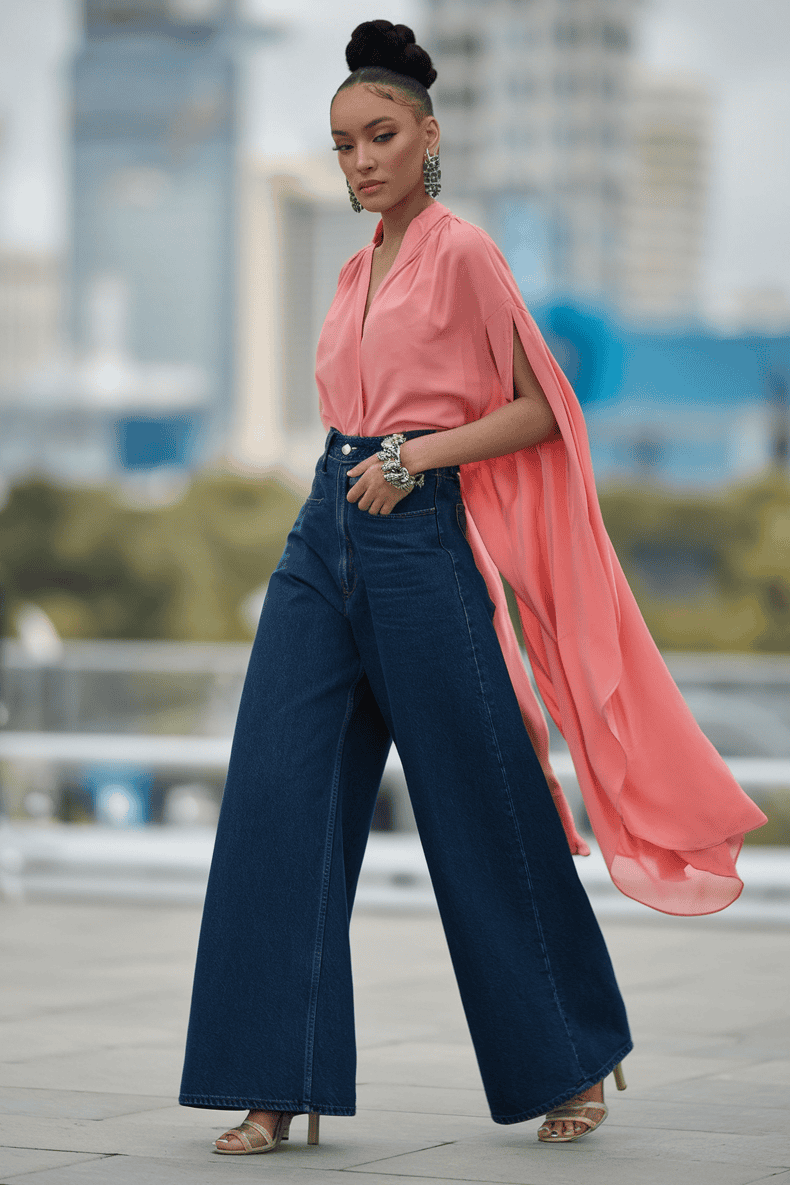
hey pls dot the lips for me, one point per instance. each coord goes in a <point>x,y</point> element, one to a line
<point>370,185</point>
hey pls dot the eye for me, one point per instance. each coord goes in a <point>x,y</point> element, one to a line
<point>382,136</point>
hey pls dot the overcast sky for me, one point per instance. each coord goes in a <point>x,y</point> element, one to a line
<point>740,48</point>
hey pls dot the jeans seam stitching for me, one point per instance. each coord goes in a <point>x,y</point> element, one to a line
<point>326,876</point>
<point>509,795</point>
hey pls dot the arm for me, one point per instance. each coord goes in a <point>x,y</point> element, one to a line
<point>526,421</point>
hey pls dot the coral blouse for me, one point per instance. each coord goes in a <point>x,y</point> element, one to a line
<point>436,352</point>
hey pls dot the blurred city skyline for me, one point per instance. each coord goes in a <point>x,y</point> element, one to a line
<point>743,58</point>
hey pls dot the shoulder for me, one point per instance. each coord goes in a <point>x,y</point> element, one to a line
<point>353,264</point>
<point>467,241</point>
<point>471,256</point>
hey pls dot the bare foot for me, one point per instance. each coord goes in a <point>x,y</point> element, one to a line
<point>267,1119</point>
<point>567,1127</point>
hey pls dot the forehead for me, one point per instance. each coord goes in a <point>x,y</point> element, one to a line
<point>352,108</point>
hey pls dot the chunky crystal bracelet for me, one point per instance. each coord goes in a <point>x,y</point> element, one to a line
<point>395,473</point>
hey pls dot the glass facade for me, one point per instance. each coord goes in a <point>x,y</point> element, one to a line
<point>154,121</point>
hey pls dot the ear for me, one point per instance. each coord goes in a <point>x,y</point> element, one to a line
<point>432,133</point>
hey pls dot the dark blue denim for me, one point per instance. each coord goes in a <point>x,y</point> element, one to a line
<point>378,628</point>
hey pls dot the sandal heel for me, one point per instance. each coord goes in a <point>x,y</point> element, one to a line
<point>619,1076</point>
<point>312,1127</point>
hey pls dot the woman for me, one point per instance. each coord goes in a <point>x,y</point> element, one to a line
<point>455,450</point>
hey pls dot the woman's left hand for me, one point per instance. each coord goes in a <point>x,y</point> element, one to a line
<point>372,491</point>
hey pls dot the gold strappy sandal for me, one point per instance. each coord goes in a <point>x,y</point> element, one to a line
<point>574,1113</point>
<point>256,1138</point>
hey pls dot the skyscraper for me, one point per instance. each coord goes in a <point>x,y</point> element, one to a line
<point>531,96</point>
<point>154,131</point>
<point>666,197</point>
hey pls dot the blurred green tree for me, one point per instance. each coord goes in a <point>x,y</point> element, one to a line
<point>737,545</point>
<point>104,570</point>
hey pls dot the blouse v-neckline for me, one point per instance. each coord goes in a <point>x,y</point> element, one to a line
<point>366,308</point>
<point>400,258</point>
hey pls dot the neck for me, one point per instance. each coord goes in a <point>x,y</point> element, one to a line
<point>395,221</point>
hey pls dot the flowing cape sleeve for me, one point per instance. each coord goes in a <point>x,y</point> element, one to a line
<point>667,813</point>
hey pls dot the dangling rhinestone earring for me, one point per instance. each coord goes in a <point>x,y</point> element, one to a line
<point>355,202</point>
<point>431,172</point>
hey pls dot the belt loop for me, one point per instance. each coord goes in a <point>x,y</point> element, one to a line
<point>329,438</point>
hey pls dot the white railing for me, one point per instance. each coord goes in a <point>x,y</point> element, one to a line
<point>212,753</point>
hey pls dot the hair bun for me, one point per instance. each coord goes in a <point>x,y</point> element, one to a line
<point>380,43</point>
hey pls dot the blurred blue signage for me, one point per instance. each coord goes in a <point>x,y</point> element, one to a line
<point>120,794</point>
<point>145,442</point>
<point>587,347</point>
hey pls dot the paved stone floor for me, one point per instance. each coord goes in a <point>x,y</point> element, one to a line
<point>94,1006</point>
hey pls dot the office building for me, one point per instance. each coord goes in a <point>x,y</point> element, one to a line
<point>665,207</point>
<point>296,230</point>
<point>30,310</point>
<point>532,97</point>
<point>153,202</point>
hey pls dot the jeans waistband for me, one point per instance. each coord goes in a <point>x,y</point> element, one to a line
<point>360,447</point>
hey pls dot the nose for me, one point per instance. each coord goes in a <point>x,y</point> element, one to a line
<point>362,160</point>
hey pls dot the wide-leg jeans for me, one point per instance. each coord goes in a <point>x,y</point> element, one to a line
<point>378,628</point>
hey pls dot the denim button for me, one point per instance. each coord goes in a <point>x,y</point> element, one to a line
<point>346,449</point>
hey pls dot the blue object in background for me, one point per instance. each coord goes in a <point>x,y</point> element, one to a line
<point>686,406</point>
<point>145,442</point>
<point>587,346</point>
<point>121,794</point>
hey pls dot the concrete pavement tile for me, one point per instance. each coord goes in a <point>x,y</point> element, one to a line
<point>190,1119</point>
<point>774,1073</point>
<point>720,1091</point>
<point>76,1031</point>
<point>75,1104</point>
<point>749,1049</point>
<point>645,1071</point>
<point>186,1135</point>
<point>345,1140</point>
<point>50,990</point>
<point>17,1161</point>
<point>429,1063</point>
<point>434,1002</point>
<point>32,998</point>
<point>135,1069</point>
<point>38,926</point>
<point>148,1170</point>
<point>117,1135</point>
<point>83,1136</point>
<point>374,1034</point>
<point>431,1100</point>
<point>700,1115</point>
<point>420,1128</point>
<point>372,1136</point>
<point>682,1044</point>
<point>770,1149</point>
<point>680,1009</point>
<point>764,1041</point>
<point>519,1162</point>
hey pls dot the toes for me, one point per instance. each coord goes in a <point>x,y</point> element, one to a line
<point>231,1142</point>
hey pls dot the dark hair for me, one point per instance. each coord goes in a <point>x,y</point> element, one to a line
<point>386,55</point>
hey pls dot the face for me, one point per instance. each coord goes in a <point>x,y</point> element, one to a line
<point>379,140</point>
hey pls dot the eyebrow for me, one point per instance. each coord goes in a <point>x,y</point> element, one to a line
<point>373,122</point>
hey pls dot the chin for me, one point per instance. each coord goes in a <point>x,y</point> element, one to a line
<point>380,205</point>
